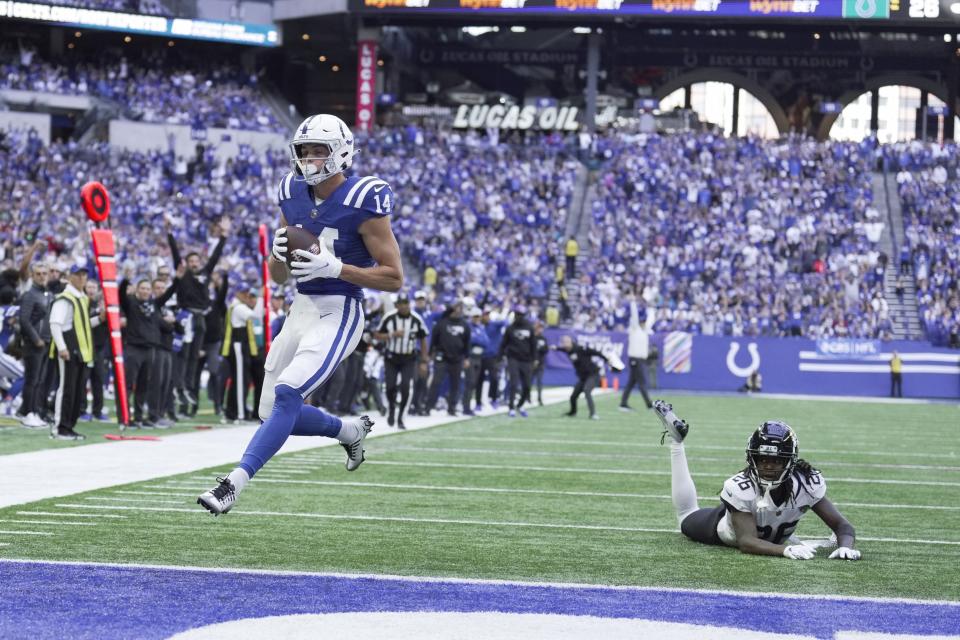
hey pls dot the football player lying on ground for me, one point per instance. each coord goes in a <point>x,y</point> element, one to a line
<point>760,506</point>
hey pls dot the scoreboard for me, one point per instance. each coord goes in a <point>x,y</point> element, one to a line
<point>916,12</point>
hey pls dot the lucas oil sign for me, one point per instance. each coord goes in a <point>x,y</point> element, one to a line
<point>500,116</point>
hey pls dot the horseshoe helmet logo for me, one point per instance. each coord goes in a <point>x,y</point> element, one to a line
<point>743,372</point>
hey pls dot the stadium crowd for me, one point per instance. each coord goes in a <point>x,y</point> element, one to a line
<point>488,218</point>
<point>152,87</point>
<point>718,236</point>
<point>737,236</point>
<point>930,203</point>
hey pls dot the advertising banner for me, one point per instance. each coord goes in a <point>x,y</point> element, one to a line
<point>500,116</point>
<point>787,365</point>
<point>263,35</point>
<point>366,84</point>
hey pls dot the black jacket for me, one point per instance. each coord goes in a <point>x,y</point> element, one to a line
<point>217,314</point>
<point>518,342</point>
<point>541,349</point>
<point>582,359</point>
<point>450,339</point>
<point>101,332</point>
<point>168,326</point>
<point>143,317</point>
<point>193,292</point>
<point>35,315</point>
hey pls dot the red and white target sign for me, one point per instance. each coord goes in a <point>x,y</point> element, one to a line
<point>366,84</point>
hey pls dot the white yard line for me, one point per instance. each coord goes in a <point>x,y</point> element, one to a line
<point>54,522</point>
<point>629,472</point>
<point>51,514</point>
<point>477,523</point>
<point>146,500</point>
<point>622,456</point>
<point>544,492</point>
<point>26,533</point>
<point>656,445</point>
<point>851,399</point>
<point>155,493</point>
<point>477,581</point>
<point>26,476</point>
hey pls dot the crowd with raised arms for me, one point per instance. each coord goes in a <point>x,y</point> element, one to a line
<point>739,236</point>
<point>157,86</point>
<point>487,219</point>
<point>715,235</point>
<point>930,204</point>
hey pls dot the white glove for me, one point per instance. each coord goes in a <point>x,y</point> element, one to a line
<point>280,245</point>
<point>845,553</point>
<point>310,266</point>
<point>798,552</point>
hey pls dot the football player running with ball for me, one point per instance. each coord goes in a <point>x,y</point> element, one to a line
<point>760,506</point>
<point>351,218</point>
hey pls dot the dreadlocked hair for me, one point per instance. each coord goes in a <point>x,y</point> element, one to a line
<point>805,468</point>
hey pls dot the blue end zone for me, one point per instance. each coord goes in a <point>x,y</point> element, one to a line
<point>96,601</point>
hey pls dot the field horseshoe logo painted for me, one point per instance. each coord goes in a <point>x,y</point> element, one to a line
<point>743,372</point>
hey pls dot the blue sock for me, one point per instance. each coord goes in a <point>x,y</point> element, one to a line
<point>274,432</point>
<point>314,422</point>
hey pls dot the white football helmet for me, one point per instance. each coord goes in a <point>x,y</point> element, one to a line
<point>327,130</point>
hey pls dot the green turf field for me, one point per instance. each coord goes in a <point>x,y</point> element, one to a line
<point>550,499</point>
<point>16,439</point>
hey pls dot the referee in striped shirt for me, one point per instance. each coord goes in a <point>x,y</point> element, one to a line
<point>405,334</point>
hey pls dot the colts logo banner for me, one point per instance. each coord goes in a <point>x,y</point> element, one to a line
<point>737,370</point>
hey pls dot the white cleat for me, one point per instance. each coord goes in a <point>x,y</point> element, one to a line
<point>354,448</point>
<point>220,499</point>
<point>33,421</point>
<point>673,426</point>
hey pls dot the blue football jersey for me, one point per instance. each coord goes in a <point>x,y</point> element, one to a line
<point>335,221</point>
<point>9,320</point>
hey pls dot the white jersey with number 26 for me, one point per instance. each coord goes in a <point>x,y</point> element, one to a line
<point>774,524</point>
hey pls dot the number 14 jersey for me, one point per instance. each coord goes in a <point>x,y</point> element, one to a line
<point>776,523</point>
<point>336,221</point>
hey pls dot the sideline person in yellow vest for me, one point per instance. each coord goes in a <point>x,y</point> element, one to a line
<point>71,327</point>
<point>430,277</point>
<point>896,378</point>
<point>239,348</point>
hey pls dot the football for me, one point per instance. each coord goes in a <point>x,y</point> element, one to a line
<point>300,238</point>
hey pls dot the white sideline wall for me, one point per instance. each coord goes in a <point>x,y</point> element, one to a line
<point>143,136</point>
<point>23,120</point>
